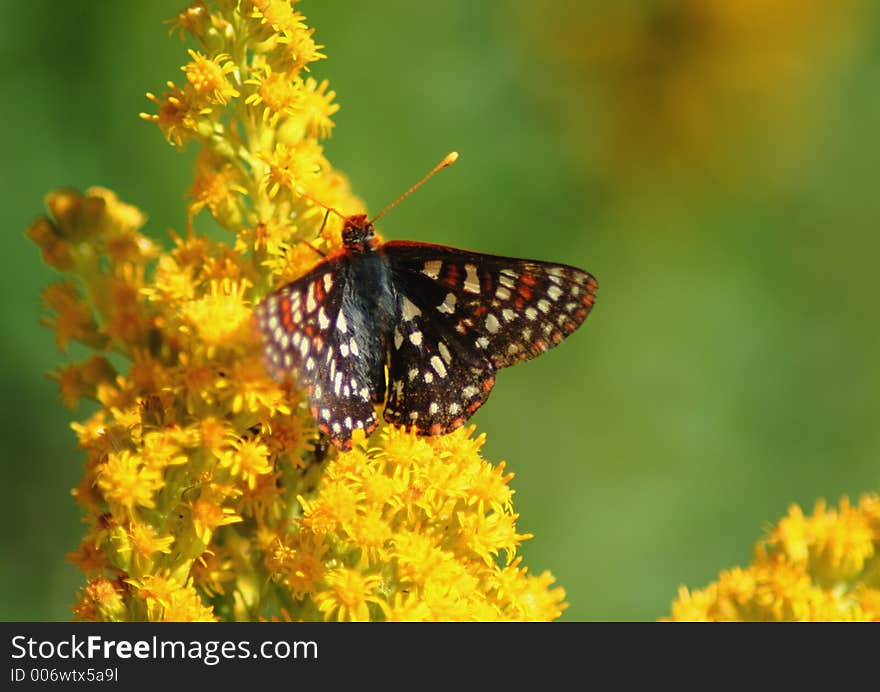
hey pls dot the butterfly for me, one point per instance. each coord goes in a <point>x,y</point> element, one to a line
<point>439,320</point>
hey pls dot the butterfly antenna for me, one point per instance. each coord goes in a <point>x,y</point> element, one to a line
<point>450,158</point>
<point>328,209</point>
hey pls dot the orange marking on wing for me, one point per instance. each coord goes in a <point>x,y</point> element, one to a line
<point>473,407</point>
<point>451,276</point>
<point>286,318</point>
<point>524,291</point>
<point>319,291</point>
<point>435,429</point>
<point>487,282</point>
<point>487,385</point>
<point>528,279</point>
<point>556,337</point>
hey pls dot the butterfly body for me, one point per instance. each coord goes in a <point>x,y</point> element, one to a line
<point>420,327</point>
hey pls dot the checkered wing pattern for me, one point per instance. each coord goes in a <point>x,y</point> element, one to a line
<point>308,337</point>
<point>436,380</point>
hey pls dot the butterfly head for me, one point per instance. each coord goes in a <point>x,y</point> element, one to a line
<point>358,233</point>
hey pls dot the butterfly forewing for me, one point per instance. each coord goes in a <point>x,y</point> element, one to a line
<point>307,336</point>
<point>506,309</point>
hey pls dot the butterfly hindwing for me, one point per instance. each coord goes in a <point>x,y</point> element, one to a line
<point>504,308</point>
<point>306,334</point>
<point>435,380</point>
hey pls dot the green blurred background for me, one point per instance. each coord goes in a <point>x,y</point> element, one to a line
<point>712,162</point>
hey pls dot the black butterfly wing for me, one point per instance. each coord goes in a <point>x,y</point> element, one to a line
<point>505,309</point>
<point>435,381</point>
<point>308,337</point>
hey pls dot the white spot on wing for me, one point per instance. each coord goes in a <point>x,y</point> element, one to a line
<point>432,268</point>
<point>416,338</point>
<point>444,352</point>
<point>448,304</point>
<point>492,323</point>
<point>409,310</point>
<point>323,320</point>
<point>471,281</point>
<point>341,322</point>
<point>438,366</point>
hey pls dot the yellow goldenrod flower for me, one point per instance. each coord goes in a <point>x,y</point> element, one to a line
<point>126,482</point>
<point>318,106</point>
<point>818,567</point>
<point>248,460</point>
<point>143,544</point>
<point>73,319</point>
<point>82,379</point>
<point>178,115</point>
<point>221,317</point>
<point>208,77</point>
<point>290,166</point>
<point>206,493</point>
<point>216,188</point>
<point>101,599</point>
<point>348,595</point>
<point>278,95</point>
<point>165,599</point>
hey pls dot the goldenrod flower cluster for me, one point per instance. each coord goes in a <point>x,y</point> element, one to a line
<point>823,567</point>
<point>205,495</point>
